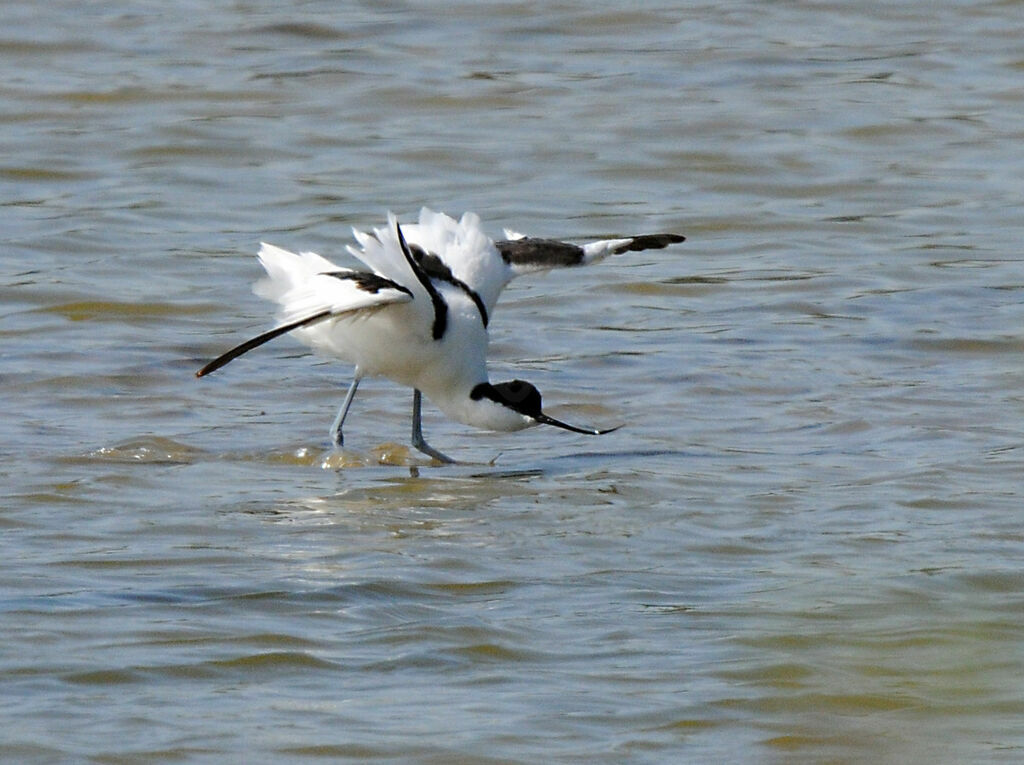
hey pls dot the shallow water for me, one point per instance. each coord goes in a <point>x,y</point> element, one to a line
<point>805,543</point>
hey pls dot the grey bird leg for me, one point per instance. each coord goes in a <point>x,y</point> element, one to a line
<point>417,432</point>
<point>336,435</point>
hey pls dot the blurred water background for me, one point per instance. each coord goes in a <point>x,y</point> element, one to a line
<point>806,543</point>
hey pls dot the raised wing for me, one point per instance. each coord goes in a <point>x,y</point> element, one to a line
<point>385,251</point>
<point>311,289</point>
<point>405,261</point>
<point>305,284</point>
<point>458,252</point>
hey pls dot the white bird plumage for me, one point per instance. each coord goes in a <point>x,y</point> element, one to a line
<point>419,316</point>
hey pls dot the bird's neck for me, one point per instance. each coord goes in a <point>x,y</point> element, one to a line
<point>479,413</point>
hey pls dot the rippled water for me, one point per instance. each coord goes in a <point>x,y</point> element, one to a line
<point>805,544</point>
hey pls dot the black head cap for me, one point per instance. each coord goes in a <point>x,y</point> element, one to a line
<point>523,397</point>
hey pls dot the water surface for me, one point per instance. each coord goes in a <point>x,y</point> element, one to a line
<point>803,546</point>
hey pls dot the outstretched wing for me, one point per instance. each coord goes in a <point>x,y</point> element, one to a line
<point>460,253</point>
<point>310,289</point>
<point>526,254</point>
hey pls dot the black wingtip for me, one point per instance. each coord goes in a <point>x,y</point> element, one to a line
<point>259,340</point>
<point>650,242</point>
<point>223,359</point>
<point>220,361</point>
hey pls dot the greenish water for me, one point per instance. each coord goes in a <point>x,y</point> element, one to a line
<point>805,543</point>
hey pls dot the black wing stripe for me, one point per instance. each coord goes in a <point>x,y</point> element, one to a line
<point>259,340</point>
<point>435,268</point>
<point>368,282</point>
<point>475,297</point>
<point>545,253</point>
<point>440,307</point>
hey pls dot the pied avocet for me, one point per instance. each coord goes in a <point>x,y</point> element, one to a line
<point>419,315</point>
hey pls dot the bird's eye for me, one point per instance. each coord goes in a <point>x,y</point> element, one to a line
<point>518,391</point>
